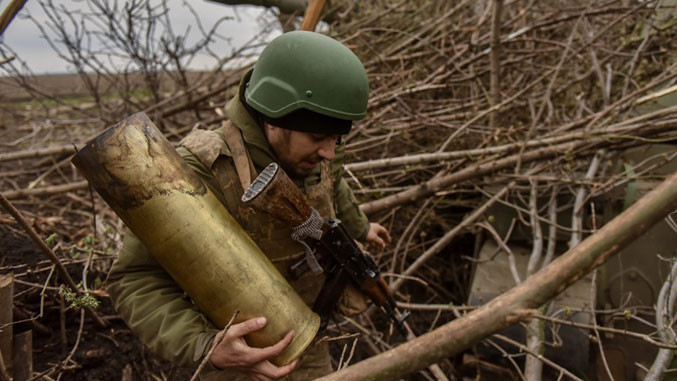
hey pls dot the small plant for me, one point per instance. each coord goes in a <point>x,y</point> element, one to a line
<point>89,241</point>
<point>76,301</point>
<point>51,240</point>
<point>73,252</point>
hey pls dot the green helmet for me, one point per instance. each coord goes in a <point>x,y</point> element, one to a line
<point>307,70</point>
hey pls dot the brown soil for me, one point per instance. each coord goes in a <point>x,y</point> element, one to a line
<point>101,354</point>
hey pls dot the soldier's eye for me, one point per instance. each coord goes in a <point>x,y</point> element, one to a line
<point>318,137</point>
<point>339,140</point>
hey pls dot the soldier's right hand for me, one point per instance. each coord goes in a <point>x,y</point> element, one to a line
<point>234,353</point>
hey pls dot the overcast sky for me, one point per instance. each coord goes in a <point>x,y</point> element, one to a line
<point>24,37</point>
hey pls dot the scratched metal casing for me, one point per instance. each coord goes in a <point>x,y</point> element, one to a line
<point>192,235</point>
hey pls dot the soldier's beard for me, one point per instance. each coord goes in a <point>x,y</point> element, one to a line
<point>297,168</point>
<point>300,170</point>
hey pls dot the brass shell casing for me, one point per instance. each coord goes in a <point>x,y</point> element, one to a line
<point>192,235</point>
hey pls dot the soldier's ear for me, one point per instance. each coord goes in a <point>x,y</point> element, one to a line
<point>267,128</point>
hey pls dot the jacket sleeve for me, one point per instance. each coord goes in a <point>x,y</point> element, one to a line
<point>345,203</point>
<point>154,306</point>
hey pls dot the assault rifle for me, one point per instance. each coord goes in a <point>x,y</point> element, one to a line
<point>329,247</point>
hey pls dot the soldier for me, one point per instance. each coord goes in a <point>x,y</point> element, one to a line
<point>292,108</point>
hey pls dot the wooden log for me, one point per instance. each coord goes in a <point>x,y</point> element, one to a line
<point>6,330</point>
<point>23,356</point>
<point>4,374</point>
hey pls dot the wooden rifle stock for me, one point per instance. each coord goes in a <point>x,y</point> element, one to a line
<point>342,260</point>
<point>273,192</point>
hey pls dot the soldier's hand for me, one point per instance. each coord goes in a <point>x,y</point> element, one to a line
<point>234,353</point>
<point>377,236</point>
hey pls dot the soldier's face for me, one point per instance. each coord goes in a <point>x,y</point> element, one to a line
<point>300,152</point>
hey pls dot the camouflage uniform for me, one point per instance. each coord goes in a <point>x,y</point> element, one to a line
<point>154,306</point>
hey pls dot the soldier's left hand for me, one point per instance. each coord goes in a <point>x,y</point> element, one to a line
<point>377,236</point>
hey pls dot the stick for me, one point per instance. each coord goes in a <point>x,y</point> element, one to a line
<point>4,374</point>
<point>656,95</point>
<point>535,329</point>
<point>36,152</point>
<point>50,254</point>
<point>75,346</point>
<point>6,326</point>
<point>539,356</point>
<point>312,16</point>
<point>46,191</point>
<point>23,356</point>
<point>664,316</point>
<point>577,217</point>
<point>495,61</point>
<point>616,331</point>
<point>9,13</point>
<point>217,341</point>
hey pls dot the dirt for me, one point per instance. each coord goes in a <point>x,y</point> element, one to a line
<point>17,250</point>
<point>102,354</point>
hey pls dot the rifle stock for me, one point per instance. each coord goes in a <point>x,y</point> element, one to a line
<point>338,254</point>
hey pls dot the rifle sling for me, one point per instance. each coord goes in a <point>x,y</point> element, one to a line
<point>243,162</point>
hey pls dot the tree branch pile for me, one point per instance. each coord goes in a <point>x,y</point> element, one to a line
<point>473,104</point>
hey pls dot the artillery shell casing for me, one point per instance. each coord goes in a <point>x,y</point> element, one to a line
<point>192,235</point>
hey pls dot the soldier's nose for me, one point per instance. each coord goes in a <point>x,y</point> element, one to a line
<point>327,149</point>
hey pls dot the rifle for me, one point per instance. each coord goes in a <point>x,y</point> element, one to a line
<point>329,247</point>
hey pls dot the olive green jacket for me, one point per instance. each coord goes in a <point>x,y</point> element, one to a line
<point>154,306</point>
